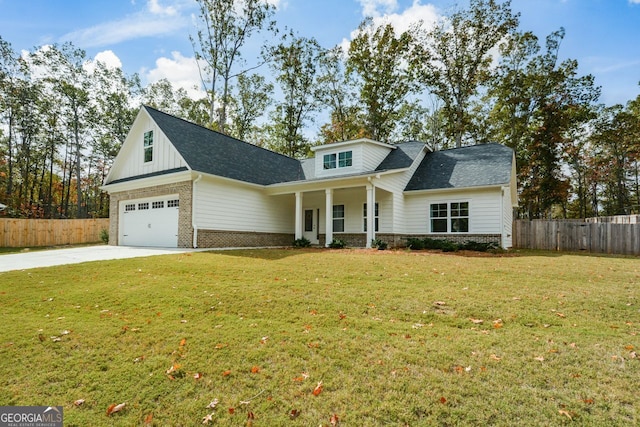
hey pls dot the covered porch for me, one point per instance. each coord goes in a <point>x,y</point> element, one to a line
<point>340,210</point>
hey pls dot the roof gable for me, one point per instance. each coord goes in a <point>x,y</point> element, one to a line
<point>473,166</point>
<point>214,153</point>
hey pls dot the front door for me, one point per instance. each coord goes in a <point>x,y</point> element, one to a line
<point>310,230</point>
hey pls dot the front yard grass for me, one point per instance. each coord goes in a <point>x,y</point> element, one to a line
<point>313,337</point>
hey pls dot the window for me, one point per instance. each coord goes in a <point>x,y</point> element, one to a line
<point>157,205</point>
<point>143,206</point>
<point>130,207</point>
<point>344,159</point>
<point>329,161</point>
<point>148,146</point>
<point>450,217</point>
<point>460,217</point>
<point>173,203</point>
<point>338,218</point>
<point>375,217</point>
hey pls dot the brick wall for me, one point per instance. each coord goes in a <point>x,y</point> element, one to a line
<point>241,239</point>
<point>183,189</point>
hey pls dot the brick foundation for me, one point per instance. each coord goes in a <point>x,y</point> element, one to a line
<point>359,240</point>
<point>241,239</point>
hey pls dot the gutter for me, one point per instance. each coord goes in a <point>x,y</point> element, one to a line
<point>193,211</point>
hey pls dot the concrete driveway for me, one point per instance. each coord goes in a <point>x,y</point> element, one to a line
<point>48,258</point>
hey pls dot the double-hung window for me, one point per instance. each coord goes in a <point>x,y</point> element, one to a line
<point>375,217</point>
<point>338,218</point>
<point>449,217</point>
<point>345,159</point>
<point>148,146</point>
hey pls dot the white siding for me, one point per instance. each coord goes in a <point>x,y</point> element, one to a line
<point>226,205</point>
<point>507,219</point>
<point>365,157</point>
<point>485,209</point>
<point>130,159</point>
<point>353,200</point>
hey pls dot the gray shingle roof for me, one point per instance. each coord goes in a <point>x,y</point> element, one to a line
<point>402,157</point>
<point>214,153</point>
<point>473,166</point>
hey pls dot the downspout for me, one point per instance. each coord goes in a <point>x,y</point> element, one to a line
<point>193,211</point>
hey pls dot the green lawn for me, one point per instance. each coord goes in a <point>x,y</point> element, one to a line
<point>394,338</point>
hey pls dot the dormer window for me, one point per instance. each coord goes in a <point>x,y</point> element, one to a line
<point>148,146</point>
<point>329,161</point>
<point>344,160</point>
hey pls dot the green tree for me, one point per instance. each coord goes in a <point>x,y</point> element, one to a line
<point>227,26</point>
<point>380,61</point>
<point>254,95</point>
<point>295,63</point>
<point>538,106</point>
<point>454,58</point>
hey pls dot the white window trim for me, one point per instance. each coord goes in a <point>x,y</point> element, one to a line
<point>336,160</point>
<point>376,217</point>
<point>449,217</point>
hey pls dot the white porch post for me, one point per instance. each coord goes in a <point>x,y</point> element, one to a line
<point>371,213</point>
<point>298,232</point>
<point>328,216</point>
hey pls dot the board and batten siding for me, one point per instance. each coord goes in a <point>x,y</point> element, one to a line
<point>226,205</point>
<point>485,209</point>
<point>165,156</point>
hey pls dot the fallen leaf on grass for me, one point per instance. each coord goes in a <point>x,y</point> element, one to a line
<point>113,408</point>
<point>213,404</point>
<point>496,358</point>
<point>232,411</point>
<point>207,418</point>
<point>255,369</point>
<point>148,420</point>
<point>443,400</point>
<point>226,373</point>
<point>250,418</point>
<point>565,413</point>
<point>294,413</point>
<point>318,389</point>
<point>197,375</point>
<point>183,342</point>
<point>539,358</point>
<point>78,402</point>
<point>476,321</point>
<point>264,340</point>
<point>334,420</point>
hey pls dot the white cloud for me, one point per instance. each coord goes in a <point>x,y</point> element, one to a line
<point>401,22</point>
<point>181,71</point>
<point>108,58</point>
<point>634,1</point>
<point>155,20</point>
<point>426,13</point>
<point>377,8</point>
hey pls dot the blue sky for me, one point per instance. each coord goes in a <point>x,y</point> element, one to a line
<point>151,37</point>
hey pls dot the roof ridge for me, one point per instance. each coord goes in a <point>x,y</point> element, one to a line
<point>219,133</point>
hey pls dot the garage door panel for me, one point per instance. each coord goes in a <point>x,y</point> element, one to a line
<point>150,222</point>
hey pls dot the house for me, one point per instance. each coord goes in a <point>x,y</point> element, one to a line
<point>177,184</point>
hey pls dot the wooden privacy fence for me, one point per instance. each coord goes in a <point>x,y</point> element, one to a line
<point>50,232</point>
<point>576,235</point>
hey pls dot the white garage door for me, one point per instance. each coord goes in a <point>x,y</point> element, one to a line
<point>150,222</point>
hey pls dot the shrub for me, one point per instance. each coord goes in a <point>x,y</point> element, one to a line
<point>415,243</point>
<point>379,244</point>
<point>449,246</point>
<point>337,244</point>
<point>302,242</point>
<point>104,236</point>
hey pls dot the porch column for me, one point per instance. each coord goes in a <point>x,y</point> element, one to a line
<point>298,231</point>
<point>328,216</point>
<point>371,213</point>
